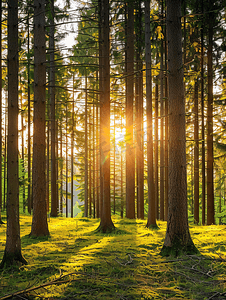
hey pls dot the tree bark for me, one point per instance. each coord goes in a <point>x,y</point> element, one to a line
<point>12,251</point>
<point>121,173</point>
<point>94,164</point>
<point>54,199</point>
<point>203,126</point>
<point>156,163</point>
<point>139,121</point>
<point>196,155</point>
<point>106,224</point>
<point>162,165</point>
<point>5,164</point>
<point>29,119</point>
<point>130,155</point>
<point>39,221</point>
<point>166,158</point>
<point>151,185</point>
<point>1,113</point>
<point>178,239</point>
<point>61,166</point>
<point>101,65</point>
<point>210,154</point>
<point>66,162</point>
<point>86,151</point>
<point>22,148</point>
<point>72,148</point>
<point>90,165</point>
<point>97,165</point>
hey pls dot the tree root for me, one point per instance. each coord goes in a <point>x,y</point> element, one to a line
<point>10,259</point>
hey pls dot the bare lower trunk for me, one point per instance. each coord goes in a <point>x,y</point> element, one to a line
<point>106,223</point>
<point>130,155</point>
<point>210,156</point>
<point>13,243</point>
<point>39,221</point>
<point>151,186</point>
<point>177,238</point>
<point>196,156</point>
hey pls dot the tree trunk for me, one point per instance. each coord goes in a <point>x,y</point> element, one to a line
<point>66,162</point>
<point>1,113</point>
<point>101,65</point>
<point>39,221</point>
<point>203,127</point>
<point>122,167</point>
<point>29,120</point>
<point>178,239</point>
<point>196,155</point>
<point>22,150</point>
<point>114,174</point>
<point>72,149</point>
<point>90,165</point>
<point>52,114</point>
<point>130,156</point>
<point>5,163</point>
<point>166,158</point>
<point>47,152</point>
<point>151,185</point>
<point>210,155</point>
<point>97,177</point>
<point>12,251</point>
<point>156,164</point>
<point>86,153</point>
<point>94,164</point>
<point>139,124</point>
<point>97,164</point>
<point>162,166</point>
<point>106,224</point>
<point>61,166</point>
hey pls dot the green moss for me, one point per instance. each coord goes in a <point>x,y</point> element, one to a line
<point>108,228</point>
<point>153,227</point>
<point>12,259</point>
<point>123,264</point>
<point>179,248</point>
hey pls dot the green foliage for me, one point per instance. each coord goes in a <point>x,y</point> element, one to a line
<point>124,264</point>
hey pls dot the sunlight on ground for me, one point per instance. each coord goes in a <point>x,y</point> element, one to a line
<point>121,265</point>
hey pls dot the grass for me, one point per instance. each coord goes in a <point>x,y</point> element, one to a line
<point>122,265</point>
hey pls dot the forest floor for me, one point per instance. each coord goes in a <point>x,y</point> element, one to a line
<point>76,262</point>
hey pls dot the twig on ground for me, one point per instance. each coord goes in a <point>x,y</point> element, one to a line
<point>195,281</point>
<point>198,271</point>
<point>126,263</point>
<point>214,295</point>
<point>54,281</point>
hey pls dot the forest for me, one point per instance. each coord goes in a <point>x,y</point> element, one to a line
<point>113,147</point>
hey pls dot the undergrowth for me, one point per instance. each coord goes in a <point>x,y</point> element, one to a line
<point>77,262</point>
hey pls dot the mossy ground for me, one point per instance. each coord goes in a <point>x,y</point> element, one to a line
<point>124,264</point>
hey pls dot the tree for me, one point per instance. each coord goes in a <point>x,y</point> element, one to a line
<point>86,152</point>
<point>151,186</point>
<point>210,155</point>
<point>196,155</point>
<point>12,251</point>
<point>29,200</point>
<point>177,239</point>
<point>162,115</point>
<point>202,123</point>
<point>130,156</point>
<point>39,221</point>
<point>139,113</point>
<point>54,200</point>
<point>1,112</point>
<point>106,223</point>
